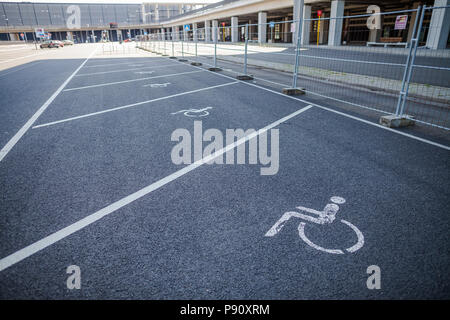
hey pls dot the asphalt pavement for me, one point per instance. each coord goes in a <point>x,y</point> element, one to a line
<point>94,172</point>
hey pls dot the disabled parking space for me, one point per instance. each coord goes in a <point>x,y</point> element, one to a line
<point>204,234</point>
<point>134,75</point>
<point>323,196</point>
<point>88,77</point>
<point>106,97</point>
<point>25,88</point>
<point>83,164</point>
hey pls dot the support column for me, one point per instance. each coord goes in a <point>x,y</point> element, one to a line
<point>413,20</point>
<point>195,32</point>
<point>234,29</point>
<point>215,30</point>
<point>163,34</point>
<point>306,29</point>
<point>250,30</point>
<point>439,26</point>
<point>262,27</point>
<point>321,32</point>
<point>185,34</point>
<point>335,30</point>
<point>296,17</point>
<point>207,31</point>
<point>176,32</point>
<point>284,29</point>
<point>373,23</point>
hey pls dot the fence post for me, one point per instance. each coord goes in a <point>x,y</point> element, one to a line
<point>297,47</point>
<point>413,58</point>
<point>245,49</point>
<point>414,38</point>
<point>165,51</point>
<point>294,90</point>
<point>182,45</point>
<point>216,37</point>
<point>196,40</point>
<point>215,53</point>
<point>173,46</point>
<point>159,44</point>
<point>245,76</point>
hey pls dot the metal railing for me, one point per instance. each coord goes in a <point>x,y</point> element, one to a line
<point>384,70</point>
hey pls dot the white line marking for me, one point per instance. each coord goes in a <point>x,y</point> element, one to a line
<point>67,231</point>
<point>131,105</point>
<point>110,64</point>
<point>11,143</point>
<point>386,128</point>
<point>132,80</point>
<point>335,111</point>
<point>122,70</point>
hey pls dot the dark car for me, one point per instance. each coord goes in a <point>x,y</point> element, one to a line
<point>49,44</point>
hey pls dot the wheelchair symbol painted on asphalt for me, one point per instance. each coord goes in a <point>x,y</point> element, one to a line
<point>326,216</point>
<point>157,85</point>
<point>195,113</point>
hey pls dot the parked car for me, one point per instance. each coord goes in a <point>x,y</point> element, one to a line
<point>59,43</point>
<point>68,42</point>
<point>49,44</point>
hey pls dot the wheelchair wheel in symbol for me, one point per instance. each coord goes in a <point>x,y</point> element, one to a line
<point>355,247</point>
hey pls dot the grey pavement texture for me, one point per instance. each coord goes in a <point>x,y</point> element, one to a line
<point>201,236</point>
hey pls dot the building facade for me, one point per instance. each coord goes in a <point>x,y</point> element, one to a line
<point>114,20</point>
<point>117,21</point>
<point>231,15</point>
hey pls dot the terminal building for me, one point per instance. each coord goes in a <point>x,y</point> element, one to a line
<point>334,32</point>
<point>269,21</point>
<point>18,20</point>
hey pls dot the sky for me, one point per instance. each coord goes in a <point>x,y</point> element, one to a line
<point>114,1</point>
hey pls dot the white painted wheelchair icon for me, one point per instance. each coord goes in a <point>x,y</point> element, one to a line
<point>195,113</point>
<point>327,215</point>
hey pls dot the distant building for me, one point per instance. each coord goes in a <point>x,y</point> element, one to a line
<point>168,18</point>
<point>18,18</point>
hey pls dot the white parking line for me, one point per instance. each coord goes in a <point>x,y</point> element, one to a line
<point>108,65</point>
<point>334,111</point>
<point>12,142</point>
<point>122,70</point>
<point>128,61</point>
<point>132,105</point>
<point>132,80</point>
<point>83,223</point>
